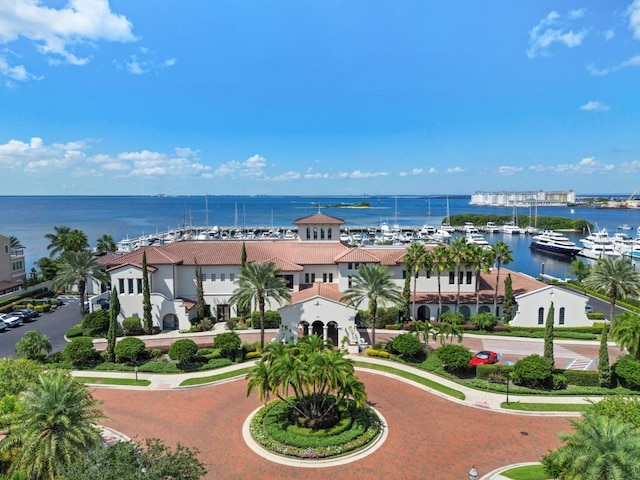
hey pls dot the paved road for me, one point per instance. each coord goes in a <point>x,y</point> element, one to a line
<point>53,324</point>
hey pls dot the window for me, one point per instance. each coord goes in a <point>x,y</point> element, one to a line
<point>121,285</point>
<point>460,278</point>
<point>213,277</point>
<point>6,249</point>
<point>428,273</point>
<point>469,277</point>
<point>452,278</point>
<point>222,277</point>
<point>306,278</point>
<point>315,233</point>
<point>324,278</point>
<point>130,285</point>
<point>417,275</point>
<point>232,277</point>
<point>349,266</point>
<point>322,234</point>
<point>203,276</point>
<point>139,286</point>
<point>349,281</point>
<point>404,274</point>
<point>329,233</point>
<point>223,312</point>
<point>313,278</point>
<point>331,278</point>
<point>17,266</point>
<point>561,316</point>
<point>541,316</point>
<point>308,233</point>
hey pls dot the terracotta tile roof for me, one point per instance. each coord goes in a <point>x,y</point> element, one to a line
<point>387,255</point>
<point>358,255</point>
<point>229,252</point>
<point>188,304</point>
<point>329,291</point>
<point>319,219</point>
<point>285,265</point>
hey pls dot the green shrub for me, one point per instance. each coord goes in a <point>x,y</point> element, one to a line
<point>395,326</point>
<point>183,350</point>
<point>203,352</point>
<point>272,319</point>
<point>250,347</point>
<point>159,367</point>
<point>627,371</point>
<point>229,343</point>
<point>95,323</point>
<point>129,349</point>
<point>407,346</point>
<point>486,372</point>
<point>387,316</point>
<point>75,331</point>
<point>433,364</point>
<point>454,357</point>
<point>533,371</point>
<point>217,363</point>
<point>582,378</point>
<point>376,353</point>
<point>155,353</point>
<point>79,350</point>
<point>252,355</point>
<point>132,325</point>
<point>558,381</point>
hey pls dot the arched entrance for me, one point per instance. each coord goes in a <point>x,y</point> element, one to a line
<point>424,313</point>
<point>170,322</point>
<point>465,310</point>
<point>332,333</point>
<point>484,309</point>
<point>303,329</point>
<point>317,328</point>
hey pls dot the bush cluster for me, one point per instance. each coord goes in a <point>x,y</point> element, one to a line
<point>371,352</point>
<point>95,323</point>
<point>454,357</point>
<point>271,319</point>
<point>627,372</point>
<point>131,325</point>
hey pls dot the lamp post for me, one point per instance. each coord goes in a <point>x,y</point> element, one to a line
<point>473,475</point>
<point>508,377</point>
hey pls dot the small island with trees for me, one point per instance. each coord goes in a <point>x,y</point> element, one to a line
<point>541,222</point>
<point>344,205</point>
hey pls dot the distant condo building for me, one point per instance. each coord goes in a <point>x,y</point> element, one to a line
<point>525,199</point>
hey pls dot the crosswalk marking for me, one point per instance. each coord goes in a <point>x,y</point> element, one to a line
<point>572,360</point>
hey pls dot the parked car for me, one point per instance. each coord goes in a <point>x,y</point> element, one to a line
<point>484,357</point>
<point>588,308</point>
<point>10,320</point>
<point>26,314</point>
<point>32,313</point>
<point>3,326</point>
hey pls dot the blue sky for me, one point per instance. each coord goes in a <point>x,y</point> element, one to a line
<point>318,96</point>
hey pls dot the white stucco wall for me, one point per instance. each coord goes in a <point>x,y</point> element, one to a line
<point>529,305</point>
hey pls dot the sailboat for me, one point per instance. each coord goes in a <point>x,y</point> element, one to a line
<point>512,228</point>
<point>444,232</point>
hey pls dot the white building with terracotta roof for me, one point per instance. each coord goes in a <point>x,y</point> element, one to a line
<point>318,268</point>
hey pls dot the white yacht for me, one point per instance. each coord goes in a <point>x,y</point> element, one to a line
<point>555,243</point>
<point>491,227</point>
<point>470,228</point>
<point>599,237</point>
<point>511,228</point>
<point>477,239</point>
<point>598,251</point>
<point>622,242</point>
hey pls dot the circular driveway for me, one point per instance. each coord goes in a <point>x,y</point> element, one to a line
<point>429,437</point>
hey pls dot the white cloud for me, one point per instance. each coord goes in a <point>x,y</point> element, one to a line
<point>508,171</point>
<point>586,166</point>
<point>631,167</point>
<point>595,106</point>
<point>455,170</point>
<point>359,174</point>
<point>55,32</point>
<point>631,62</point>
<point>145,63</point>
<point>553,30</point>
<point>433,171</point>
<point>609,34</point>
<point>414,172</point>
<point>17,72</point>
<point>634,18</point>
<point>287,177</point>
<point>252,167</point>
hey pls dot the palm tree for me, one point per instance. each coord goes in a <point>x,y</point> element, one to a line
<point>502,255</point>
<point>56,240</point>
<point>373,284</point>
<point>15,243</point>
<point>105,244</point>
<point>616,278</point>
<point>625,330</point>
<point>53,428</point>
<point>32,344</point>
<point>441,262</point>
<point>75,269</point>
<point>481,260</point>
<point>413,259</point>
<point>601,448</point>
<point>580,269</point>
<point>259,282</point>
<point>459,255</point>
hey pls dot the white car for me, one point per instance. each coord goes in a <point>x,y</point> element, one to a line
<point>10,320</point>
<point>3,326</point>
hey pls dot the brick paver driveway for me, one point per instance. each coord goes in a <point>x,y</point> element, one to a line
<point>429,437</point>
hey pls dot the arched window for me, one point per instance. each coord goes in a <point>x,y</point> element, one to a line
<point>308,233</point>
<point>541,316</point>
<point>561,317</point>
<point>322,233</point>
<point>315,233</point>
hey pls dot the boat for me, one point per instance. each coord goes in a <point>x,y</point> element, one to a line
<point>491,227</point>
<point>477,239</point>
<point>511,228</point>
<point>598,251</point>
<point>554,243</point>
<point>599,237</point>
<point>289,235</point>
<point>469,228</point>
<point>622,242</point>
<point>625,226</point>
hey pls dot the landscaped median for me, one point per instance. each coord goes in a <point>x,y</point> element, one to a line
<point>129,382</point>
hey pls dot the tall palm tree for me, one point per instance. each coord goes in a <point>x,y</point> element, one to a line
<point>374,285</point>
<point>53,428</point>
<point>413,260</point>
<point>66,240</point>
<point>75,269</point>
<point>105,244</point>
<point>616,278</point>
<point>259,282</point>
<point>580,269</point>
<point>441,262</point>
<point>32,344</point>
<point>601,448</point>
<point>625,330</point>
<point>458,252</point>
<point>481,259</point>
<point>15,243</point>
<point>501,255</point>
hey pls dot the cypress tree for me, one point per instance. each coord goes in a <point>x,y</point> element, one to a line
<point>243,255</point>
<point>548,336</point>
<point>200,305</point>
<point>508,304</point>
<point>114,311</point>
<point>406,295</point>
<point>146,297</point>
<point>604,369</point>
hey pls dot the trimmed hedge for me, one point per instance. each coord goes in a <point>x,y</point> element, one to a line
<point>486,372</point>
<point>376,353</point>
<point>574,377</point>
<point>252,355</point>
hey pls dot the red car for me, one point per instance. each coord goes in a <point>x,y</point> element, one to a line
<point>483,357</point>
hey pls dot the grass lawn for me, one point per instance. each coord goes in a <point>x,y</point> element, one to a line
<point>215,378</point>
<point>545,407</point>
<point>416,378</point>
<point>529,472</point>
<point>114,381</point>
